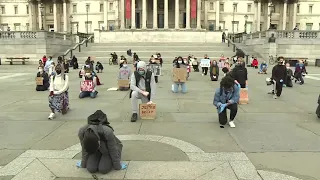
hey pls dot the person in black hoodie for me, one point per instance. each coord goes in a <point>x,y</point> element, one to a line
<point>279,76</point>
<point>153,61</point>
<point>240,74</point>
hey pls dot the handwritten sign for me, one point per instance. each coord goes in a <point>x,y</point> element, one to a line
<point>244,97</point>
<point>39,81</point>
<point>123,83</point>
<point>155,68</point>
<point>87,85</point>
<point>179,74</point>
<point>205,63</point>
<point>147,111</point>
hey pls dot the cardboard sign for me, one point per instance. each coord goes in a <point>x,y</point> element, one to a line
<point>123,83</point>
<point>147,111</point>
<point>39,81</point>
<point>155,68</point>
<point>244,97</point>
<point>205,63</point>
<point>179,74</point>
<point>87,85</point>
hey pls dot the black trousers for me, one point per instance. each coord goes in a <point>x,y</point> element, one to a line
<point>279,86</point>
<point>223,119</point>
<point>156,79</point>
<point>195,68</point>
<point>205,70</point>
<point>289,82</point>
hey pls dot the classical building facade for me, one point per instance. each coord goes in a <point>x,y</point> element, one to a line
<point>86,16</point>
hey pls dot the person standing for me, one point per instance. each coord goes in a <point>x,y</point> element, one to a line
<point>205,69</point>
<point>143,86</point>
<point>279,74</point>
<point>223,37</point>
<point>227,97</point>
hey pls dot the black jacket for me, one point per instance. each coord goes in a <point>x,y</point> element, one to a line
<point>279,72</point>
<point>240,74</point>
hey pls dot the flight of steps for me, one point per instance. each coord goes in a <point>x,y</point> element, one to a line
<point>101,51</point>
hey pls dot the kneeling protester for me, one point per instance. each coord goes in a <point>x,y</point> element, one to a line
<point>88,85</point>
<point>180,74</point>
<point>143,86</point>
<point>124,77</point>
<point>101,149</point>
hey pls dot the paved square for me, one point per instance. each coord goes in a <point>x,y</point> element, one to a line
<point>279,138</point>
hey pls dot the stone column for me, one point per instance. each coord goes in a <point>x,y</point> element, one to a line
<point>199,14</point>
<point>55,20</point>
<point>217,15</point>
<point>176,16</point>
<point>31,27</point>
<point>144,14</point>
<point>116,12</point>
<point>39,14</point>
<point>206,14</point>
<point>294,15</point>
<point>155,14</point>
<point>284,18</point>
<point>166,14</point>
<point>105,15</point>
<point>187,14</point>
<point>133,14</point>
<point>122,23</point>
<point>268,17</point>
<point>258,15</point>
<point>65,19</point>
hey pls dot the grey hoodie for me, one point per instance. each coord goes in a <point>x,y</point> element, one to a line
<point>142,86</point>
<point>124,73</point>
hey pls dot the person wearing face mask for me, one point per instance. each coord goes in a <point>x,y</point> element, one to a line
<point>263,68</point>
<point>205,69</point>
<point>279,75</point>
<point>227,97</point>
<point>175,88</point>
<point>240,74</point>
<point>45,78</point>
<point>89,77</point>
<point>214,71</point>
<point>143,86</point>
<point>153,61</point>
<point>47,66</point>
<point>289,76</point>
<point>124,74</point>
<point>299,71</point>
<point>59,97</point>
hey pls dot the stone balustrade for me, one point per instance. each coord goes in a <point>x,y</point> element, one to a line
<point>33,35</point>
<point>282,34</point>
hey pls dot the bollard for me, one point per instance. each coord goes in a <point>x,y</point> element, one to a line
<point>247,59</point>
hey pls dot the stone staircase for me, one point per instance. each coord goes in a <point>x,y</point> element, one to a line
<point>101,51</point>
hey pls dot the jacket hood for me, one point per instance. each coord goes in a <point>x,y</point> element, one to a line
<point>97,118</point>
<point>142,65</point>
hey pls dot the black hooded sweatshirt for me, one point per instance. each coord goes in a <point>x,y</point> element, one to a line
<point>279,72</point>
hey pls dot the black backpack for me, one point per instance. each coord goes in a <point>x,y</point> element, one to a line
<point>91,142</point>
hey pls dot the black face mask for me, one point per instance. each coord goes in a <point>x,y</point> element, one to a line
<point>58,71</point>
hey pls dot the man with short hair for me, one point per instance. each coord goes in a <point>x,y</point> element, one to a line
<point>279,74</point>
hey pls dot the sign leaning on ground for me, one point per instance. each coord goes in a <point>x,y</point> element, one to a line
<point>86,85</point>
<point>155,68</point>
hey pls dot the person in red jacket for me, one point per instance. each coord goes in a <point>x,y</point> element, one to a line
<point>44,59</point>
<point>255,63</point>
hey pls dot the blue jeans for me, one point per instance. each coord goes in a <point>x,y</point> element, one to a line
<point>84,94</point>
<point>176,87</point>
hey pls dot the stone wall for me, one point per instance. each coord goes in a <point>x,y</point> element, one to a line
<point>156,36</point>
<point>33,44</point>
<point>295,44</point>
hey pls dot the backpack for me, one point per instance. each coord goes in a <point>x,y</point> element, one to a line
<point>90,142</point>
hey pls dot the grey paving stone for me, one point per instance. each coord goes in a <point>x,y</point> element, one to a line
<point>7,156</point>
<point>49,154</point>
<point>244,170</point>
<point>6,177</point>
<point>15,166</point>
<point>143,137</point>
<point>35,171</point>
<point>184,146</point>
<point>267,175</point>
<point>223,172</point>
<point>169,170</point>
<point>67,168</point>
<point>220,156</point>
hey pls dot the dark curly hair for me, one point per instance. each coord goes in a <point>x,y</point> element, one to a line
<point>227,82</point>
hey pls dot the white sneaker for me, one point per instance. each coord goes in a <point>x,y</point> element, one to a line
<point>275,96</point>
<point>231,124</point>
<point>271,92</point>
<point>51,116</point>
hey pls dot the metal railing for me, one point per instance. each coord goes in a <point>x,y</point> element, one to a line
<point>78,46</point>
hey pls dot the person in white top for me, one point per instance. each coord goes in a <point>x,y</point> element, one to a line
<point>59,98</point>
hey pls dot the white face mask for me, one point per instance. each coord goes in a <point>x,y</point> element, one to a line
<point>125,65</point>
<point>88,74</point>
<point>40,70</point>
<point>179,62</point>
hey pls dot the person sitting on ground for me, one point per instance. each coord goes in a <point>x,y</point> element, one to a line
<point>288,82</point>
<point>101,149</point>
<point>175,87</point>
<point>214,71</point>
<point>263,68</point>
<point>93,80</point>
<point>124,74</point>
<point>45,80</point>
<point>255,63</point>
<point>59,96</point>
<point>143,86</point>
<point>227,97</point>
<point>99,67</point>
<point>74,62</point>
<point>299,72</point>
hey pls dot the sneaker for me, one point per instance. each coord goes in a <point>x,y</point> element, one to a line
<point>51,116</point>
<point>275,97</point>
<point>271,92</point>
<point>231,124</point>
<point>134,117</point>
